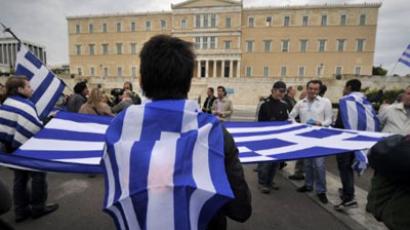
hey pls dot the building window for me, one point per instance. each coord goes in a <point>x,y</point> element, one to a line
<point>205,17</point>
<point>269,21</point>
<point>266,71</point>
<point>91,48</point>
<point>301,71</point>
<point>249,46</point>
<point>362,21</point>
<point>305,20</point>
<point>359,45</point>
<point>92,71</point>
<point>119,48</point>
<point>119,71</point>
<point>248,71</point>
<point>105,49</point>
<point>286,21</point>
<point>357,70</point>
<point>118,26</point>
<point>133,71</point>
<point>197,42</point>
<point>324,20</point>
<point>90,28</point>
<point>133,48</point>
<point>303,45</point>
<point>79,71</point>
<point>104,28</point>
<point>227,45</point>
<point>105,72</point>
<point>251,22</point>
<point>212,43</point>
<point>198,21</point>
<point>268,45</point>
<point>322,45</point>
<point>285,46</point>
<point>213,20</point>
<point>204,42</point>
<point>163,24</point>
<point>148,26</point>
<point>78,49</point>
<point>183,24</point>
<point>133,27</point>
<point>283,71</point>
<point>228,21</point>
<point>343,19</point>
<point>77,29</point>
<point>341,45</point>
<point>338,71</point>
<point>319,70</point>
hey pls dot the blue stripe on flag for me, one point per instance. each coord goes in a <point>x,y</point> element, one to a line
<point>33,59</point>
<point>361,117</point>
<point>42,88</point>
<point>22,113</point>
<point>56,134</point>
<point>21,70</point>
<point>404,61</point>
<point>212,204</point>
<point>307,153</point>
<point>86,118</point>
<point>249,154</point>
<point>247,134</point>
<point>266,144</point>
<point>53,100</point>
<point>321,133</point>
<point>406,54</point>
<point>233,124</point>
<point>363,138</point>
<point>54,155</point>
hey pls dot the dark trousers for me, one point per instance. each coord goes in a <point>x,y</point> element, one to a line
<point>23,198</point>
<point>266,173</point>
<point>344,163</point>
<point>5,198</point>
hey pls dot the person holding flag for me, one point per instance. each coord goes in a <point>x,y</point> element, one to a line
<point>357,113</point>
<point>19,121</point>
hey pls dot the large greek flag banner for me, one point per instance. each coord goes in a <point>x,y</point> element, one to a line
<point>46,87</point>
<point>164,167</point>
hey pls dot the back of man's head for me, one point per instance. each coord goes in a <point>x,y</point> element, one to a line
<point>354,85</point>
<point>166,70</point>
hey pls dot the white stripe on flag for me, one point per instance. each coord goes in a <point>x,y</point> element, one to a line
<point>352,109</point>
<point>233,130</point>
<point>74,126</point>
<point>189,120</point>
<point>160,182</point>
<point>272,136</point>
<point>118,215</point>
<point>57,145</point>
<point>24,107</point>
<point>129,212</point>
<point>45,99</point>
<point>111,184</point>
<point>21,121</point>
<point>87,161</point>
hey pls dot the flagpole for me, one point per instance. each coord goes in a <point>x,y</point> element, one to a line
<point>8,30</point>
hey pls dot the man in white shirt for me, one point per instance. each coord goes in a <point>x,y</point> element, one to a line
<point>396,118</point>
<point>314,110</point>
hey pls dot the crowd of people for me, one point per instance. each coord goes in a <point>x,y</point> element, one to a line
<point>312,108</point>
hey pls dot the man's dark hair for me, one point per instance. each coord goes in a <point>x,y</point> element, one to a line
<point>13,83</point>
<point>323,89</point>
<point>80,87</point>
<point>354,84</point>
<point>130,84</point>
<point>222,88</point>
<point>166,68</point>
<point>314,82</point>
<point>212,89</point>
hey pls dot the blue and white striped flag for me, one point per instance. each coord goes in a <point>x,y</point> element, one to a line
<point>46,87</point>
<point>357,113</point>
<point>78,143</point>
<point>405,57</point>
<point>164,167</point>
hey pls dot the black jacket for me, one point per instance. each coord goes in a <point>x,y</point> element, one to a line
<point>209,101</point>
<point>273,110</point>
<point>240,208</point>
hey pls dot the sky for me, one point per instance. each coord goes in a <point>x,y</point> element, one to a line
<point>44,22</point>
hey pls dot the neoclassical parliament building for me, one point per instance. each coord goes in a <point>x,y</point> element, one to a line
<point>232,41</point>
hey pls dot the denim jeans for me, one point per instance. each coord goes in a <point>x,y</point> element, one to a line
<point>266,173</point>
<point>344,163</point>
<point>22,197</point>
<point>299,167</point>
<point>315,171</point>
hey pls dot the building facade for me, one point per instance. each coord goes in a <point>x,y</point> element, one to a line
<point>9,49</point>
<point>231,41</point>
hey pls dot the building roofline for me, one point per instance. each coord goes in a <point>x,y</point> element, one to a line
<point>13,40</point>
<point>103,15</point>
<point>315,6</point>
<point>238,3</point>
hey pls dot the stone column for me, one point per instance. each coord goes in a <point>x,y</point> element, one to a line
<point>223,69</point>
<point>198,70</point>
<point>238,68</point>
<point>214,65</point>
<point>230,68</point>
<point>206,68</point>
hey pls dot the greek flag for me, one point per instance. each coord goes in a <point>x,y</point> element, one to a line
<point>164,167</point>
<point>18,121</point>
<point>46,87</point>
<point>405,57</point>
<point>357,113</point>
